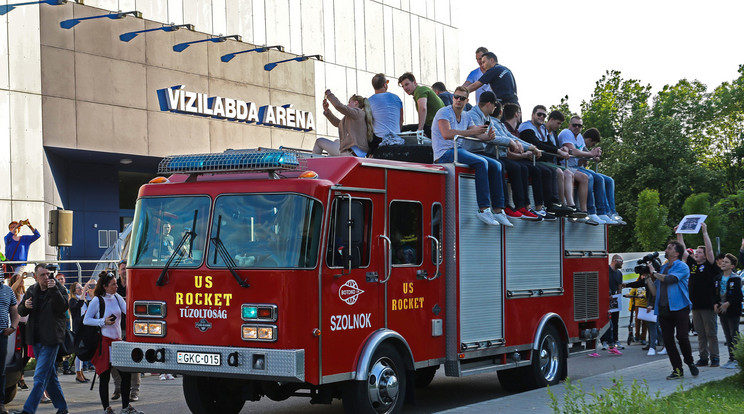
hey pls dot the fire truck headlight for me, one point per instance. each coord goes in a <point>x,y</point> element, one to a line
<point>259,333</point>
<point>149,328</point>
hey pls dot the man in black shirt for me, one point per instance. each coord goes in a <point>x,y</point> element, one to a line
<point>704,296</point>
<point>616,281</point>
<point>499,77</point>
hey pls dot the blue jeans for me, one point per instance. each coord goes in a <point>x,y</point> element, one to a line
<point>45,378</point>
<point>603,196</point>
<point>489,180</point>
<point>3,355</point>
<point>652,333</point>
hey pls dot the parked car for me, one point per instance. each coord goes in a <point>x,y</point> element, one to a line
<point>13,367</point>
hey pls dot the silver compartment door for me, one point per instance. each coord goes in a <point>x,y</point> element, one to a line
<point>533,256</point>
<point>481,286</point>
<point>581,237</point>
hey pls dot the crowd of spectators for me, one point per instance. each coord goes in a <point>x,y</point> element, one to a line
<point>495,142</point>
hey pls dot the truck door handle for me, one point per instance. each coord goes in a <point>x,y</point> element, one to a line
<point>388,257</point>
<point>437,258</point>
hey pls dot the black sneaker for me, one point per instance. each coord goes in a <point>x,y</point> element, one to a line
<point>702,363</point>
<point>694,370</point>
<point>560,210</point>
<point>715,362</point>
<point>676,374</point>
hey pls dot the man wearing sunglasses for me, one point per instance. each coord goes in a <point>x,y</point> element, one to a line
<point>489,179</point>
<point>596,200</point>
<point>535,132</point>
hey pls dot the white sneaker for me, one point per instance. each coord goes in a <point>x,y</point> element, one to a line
<point>651,352</point>
<point>595,218</point>
<point>730,365</point>
<point>618,218</point>
<point>162,377</point>
<point>487,217</point>
<point>502,219</point>
<point>662,352</point>
<point>607,219</point>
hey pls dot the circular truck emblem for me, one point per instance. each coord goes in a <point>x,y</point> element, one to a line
<point>349,292</point>
<point>203,325</point>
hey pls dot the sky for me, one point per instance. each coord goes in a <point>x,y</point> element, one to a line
<point>558,48</point>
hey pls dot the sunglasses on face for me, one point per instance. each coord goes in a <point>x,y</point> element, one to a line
<point>577,125</point>
<point>460,97</point>
<point>541,114</point>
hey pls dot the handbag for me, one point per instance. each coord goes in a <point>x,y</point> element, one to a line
<point>68,346</point>
<point>88,338</point>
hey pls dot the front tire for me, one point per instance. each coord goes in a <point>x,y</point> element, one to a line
<point>385,388</point>
<point>205,395</point>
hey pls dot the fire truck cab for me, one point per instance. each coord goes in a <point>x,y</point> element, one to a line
<point>270,273</point>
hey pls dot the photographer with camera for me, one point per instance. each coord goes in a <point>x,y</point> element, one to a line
<point>672,306</point>
<point>16,246</point>
<point>645,281</point>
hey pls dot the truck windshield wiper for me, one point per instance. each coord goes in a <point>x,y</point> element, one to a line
<point>179,251</point>
<point>219,248</point>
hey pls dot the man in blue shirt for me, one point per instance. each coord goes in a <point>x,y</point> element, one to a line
<point>499,77</point>
<point>16,246</point>
<point>672,305</point>
<point>477,73</point>
<point>387,112</point>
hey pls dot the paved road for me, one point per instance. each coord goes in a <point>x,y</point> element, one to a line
<point>476,394</point>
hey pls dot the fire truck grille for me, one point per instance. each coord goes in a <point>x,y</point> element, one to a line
<point>261,159</point>
<point>586,300</point>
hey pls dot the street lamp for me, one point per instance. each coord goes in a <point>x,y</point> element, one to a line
<point>5,9</point>
<point>169,28</point>
<point>182,46</point>
<point>69,24</point>
<point>272,65</point>
<point>228,57</point>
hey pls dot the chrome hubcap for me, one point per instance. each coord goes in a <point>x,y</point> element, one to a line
<point>549,358</point>
<point>382,385</point>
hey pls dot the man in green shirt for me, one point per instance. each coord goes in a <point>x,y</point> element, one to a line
<point>427,103</point>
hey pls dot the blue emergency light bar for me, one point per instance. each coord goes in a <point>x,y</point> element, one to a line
<point>233,161</point>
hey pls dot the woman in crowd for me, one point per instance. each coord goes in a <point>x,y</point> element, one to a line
<point>110,323</point>
<point>16,283</point>
<point>354,129</point>
<point>77,306</point>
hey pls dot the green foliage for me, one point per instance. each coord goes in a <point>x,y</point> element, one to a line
<point>565,110</point>
<point>739,356</point>
<point>700,204</point>
<point>730,210</point>
<point>651,229</point>
<point>723,396</point>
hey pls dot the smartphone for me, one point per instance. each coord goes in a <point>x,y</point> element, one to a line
<point>487,123</point>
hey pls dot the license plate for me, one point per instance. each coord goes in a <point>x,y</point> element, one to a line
<point>198,358</point>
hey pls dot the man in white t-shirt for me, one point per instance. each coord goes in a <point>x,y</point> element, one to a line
<point>477,73</point>
<point>489,179</point>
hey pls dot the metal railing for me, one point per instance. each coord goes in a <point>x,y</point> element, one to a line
<point>78,266</point>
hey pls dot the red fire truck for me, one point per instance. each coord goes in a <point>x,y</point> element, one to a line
<point>267,273</point>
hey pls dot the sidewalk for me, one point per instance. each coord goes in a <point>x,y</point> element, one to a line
<point>653,372</point>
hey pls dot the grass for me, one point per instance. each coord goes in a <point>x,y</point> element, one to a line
<point>723,396</point>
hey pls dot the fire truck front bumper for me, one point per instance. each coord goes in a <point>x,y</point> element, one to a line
<point>249,363</point>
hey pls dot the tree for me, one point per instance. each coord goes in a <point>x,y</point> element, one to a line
<point>651,229</point>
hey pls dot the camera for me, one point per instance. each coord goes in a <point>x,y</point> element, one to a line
<point>642,265</point>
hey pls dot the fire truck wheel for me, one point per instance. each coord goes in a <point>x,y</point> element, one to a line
<point>425,376</point>
<point>206,395</point>
<point>549,359</point>
<point>385,388</point>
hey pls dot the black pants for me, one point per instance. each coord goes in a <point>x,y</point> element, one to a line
<point>103,388</point>
<point>611,335</point>
<point>679,321</point>
<point>541,177</point>
<point>730,325</point>
<point>518,179</point>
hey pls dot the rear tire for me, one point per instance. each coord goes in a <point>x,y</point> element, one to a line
<point>549,361</point>
<point>384,390</point>
<point>205,395</point>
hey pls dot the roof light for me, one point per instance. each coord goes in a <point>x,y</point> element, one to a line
<point>234,161</point>
<point>309,174</point>
<point>159,180</point>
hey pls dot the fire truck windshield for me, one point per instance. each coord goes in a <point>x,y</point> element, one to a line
<point>161,223</point>
<point>265,231</point>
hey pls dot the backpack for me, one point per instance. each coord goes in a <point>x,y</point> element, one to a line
<point>88,338</point>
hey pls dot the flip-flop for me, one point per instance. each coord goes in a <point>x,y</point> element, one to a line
<point>593,355</point>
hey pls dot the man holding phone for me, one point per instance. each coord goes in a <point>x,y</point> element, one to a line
<point>45,304</point>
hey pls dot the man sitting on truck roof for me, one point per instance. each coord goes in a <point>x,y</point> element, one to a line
<point>489,180</point>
